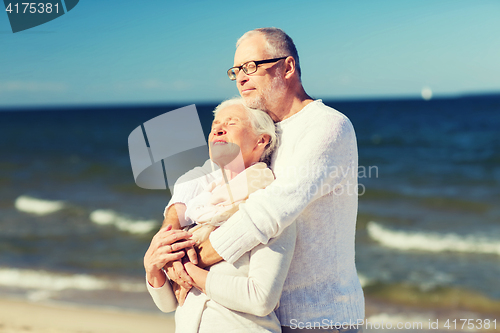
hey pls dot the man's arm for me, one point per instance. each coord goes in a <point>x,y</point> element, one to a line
<point>175,216</point>
<point>207,256</point>
<point>323,160</point>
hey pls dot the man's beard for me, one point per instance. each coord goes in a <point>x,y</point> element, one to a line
<point>269,97</point>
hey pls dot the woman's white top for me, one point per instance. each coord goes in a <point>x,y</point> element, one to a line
<point>240,297</point>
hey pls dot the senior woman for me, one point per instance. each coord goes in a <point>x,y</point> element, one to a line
<point>239,297</point>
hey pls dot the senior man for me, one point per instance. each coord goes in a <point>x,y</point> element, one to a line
<point>315,165</point>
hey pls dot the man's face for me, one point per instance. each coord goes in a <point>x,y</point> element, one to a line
<point>265,88</point>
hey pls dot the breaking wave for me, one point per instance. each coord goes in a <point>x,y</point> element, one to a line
<point>123,223</point>
<point>36,206</point>
<point>432,241</point>
<point>43,280</point>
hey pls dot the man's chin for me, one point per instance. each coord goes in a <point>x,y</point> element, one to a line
<point>254,103</point>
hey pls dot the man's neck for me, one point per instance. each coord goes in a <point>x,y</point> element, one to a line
<point>290,106</point>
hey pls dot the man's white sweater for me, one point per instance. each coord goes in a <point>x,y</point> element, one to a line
<point>315,165</point>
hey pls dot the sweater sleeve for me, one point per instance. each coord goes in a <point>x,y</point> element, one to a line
<point>259,293</point>
<point>322,161</point>
<point>163,297</point>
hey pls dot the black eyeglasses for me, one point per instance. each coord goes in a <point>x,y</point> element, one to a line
<point>249,67</point>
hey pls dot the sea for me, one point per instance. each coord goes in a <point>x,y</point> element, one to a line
<point>74,226</point>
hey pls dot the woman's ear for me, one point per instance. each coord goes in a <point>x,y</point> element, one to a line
<point>264,140</point>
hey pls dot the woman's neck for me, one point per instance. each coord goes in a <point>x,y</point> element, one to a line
<point>232,169</point>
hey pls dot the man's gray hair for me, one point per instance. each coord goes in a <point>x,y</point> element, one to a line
<point>261,124</point>
<point>278,44</point>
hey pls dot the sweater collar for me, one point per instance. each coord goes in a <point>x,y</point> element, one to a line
<point>281,124</point>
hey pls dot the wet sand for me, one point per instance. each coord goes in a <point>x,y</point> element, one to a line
<point>21,316</point>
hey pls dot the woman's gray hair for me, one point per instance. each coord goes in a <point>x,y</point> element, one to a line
<point>261,124</point>
<point>278,44</point>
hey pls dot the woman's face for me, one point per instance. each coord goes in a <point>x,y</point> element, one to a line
<point>231,133</point>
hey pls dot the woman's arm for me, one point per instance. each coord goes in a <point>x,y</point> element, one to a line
<point>174,216</point>
<point>163,297</point>
<point>259,293</point>
<point>162,251</point>
<point>199,275</point>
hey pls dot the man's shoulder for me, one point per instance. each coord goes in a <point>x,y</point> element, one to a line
<point>319,116</point>
<point>322,110</point>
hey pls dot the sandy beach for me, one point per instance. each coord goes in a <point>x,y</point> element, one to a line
<point>21,316</point>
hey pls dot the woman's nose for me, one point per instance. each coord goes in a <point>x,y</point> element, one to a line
<point>219,131</point>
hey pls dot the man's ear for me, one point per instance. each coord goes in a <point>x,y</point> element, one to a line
<point>289,67</point>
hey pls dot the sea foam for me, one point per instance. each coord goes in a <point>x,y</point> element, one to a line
<point>110,217</point>
<point>364,280</point>
<point>48,281</point>
<point>36,206</point>
<point>432,241</point>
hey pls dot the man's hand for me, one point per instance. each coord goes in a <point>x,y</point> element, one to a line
<point>207,254</point>
<point>164,249</point>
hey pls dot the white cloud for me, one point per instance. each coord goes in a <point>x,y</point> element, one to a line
<point>154,85</point>
<point>32,86</point>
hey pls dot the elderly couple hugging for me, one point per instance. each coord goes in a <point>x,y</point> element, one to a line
<point>274,249</point>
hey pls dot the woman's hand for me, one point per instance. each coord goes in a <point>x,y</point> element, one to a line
<point>180,292</point>
<point>199,275</point>
<point>162,250</point>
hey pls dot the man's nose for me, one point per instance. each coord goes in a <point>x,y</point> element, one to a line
<point>241,77</point>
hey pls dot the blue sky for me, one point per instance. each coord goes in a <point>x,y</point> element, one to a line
<point>122,52</point>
